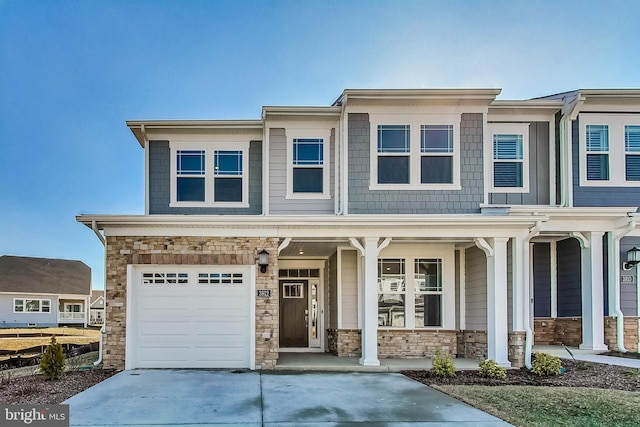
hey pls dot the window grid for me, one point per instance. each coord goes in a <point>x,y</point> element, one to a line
<point>227,163</point>
<point>161,278</point>
<point>308,151</point>
<point>436,148</point>
<point>190,162</point>
<point>221,278</point>
<point>428,292</point>
<point>23,305</point>
<point>292,290</point>
<point>308,162</point>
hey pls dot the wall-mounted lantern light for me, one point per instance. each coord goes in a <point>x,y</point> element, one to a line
<point>263,260</point>
<point>633,258</point>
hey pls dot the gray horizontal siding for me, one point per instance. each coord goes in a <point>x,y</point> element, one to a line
<point>569,278</point>
<point>539,176</point>
<point>10,319</point>
<point>278,203</point>
<point>476,289</point>
<point>365,201</point>
<point>628,291</point>
<point>598,196</point>
<point>542,279</point>
<point>160,181</point>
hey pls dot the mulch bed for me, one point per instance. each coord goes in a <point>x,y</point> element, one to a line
<point>578,374</point>
<point>33,389</point>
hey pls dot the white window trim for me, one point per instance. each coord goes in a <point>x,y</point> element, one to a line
<point>510,128</point>
<point>209,149</point>
<point>410,253</point>
<point>24,306</point>
<point>325,135</point>
<point>69,304</point>
<point>617,169</point>
<point>414,121</point>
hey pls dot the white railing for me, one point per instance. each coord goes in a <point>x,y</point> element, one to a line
<point>71,316</point>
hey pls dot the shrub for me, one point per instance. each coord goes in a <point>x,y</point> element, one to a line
<point>442,365</point>
<point>490,369</point>
<point>52,362</point>
<point>545,364</point>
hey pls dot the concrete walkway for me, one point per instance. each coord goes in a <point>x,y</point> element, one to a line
<point>329,362</point>
<point>587,356</point>
<point>212,397</point>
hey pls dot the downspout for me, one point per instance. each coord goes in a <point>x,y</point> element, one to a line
<point>528,340</point>
<point>94,227</point>
<point>614,264</point>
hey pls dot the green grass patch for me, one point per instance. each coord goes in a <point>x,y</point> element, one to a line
<point>627,355</point>
<point>552,406</point>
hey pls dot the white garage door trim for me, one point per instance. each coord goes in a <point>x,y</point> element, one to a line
<point>134,277</point>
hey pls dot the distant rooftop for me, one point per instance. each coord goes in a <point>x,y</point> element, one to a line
<point>44,275</point>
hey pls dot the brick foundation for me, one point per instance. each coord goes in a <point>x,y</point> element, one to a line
<point>516,348</point>
<point>561,330</point>
<point>123,251</point>
<point>630,333</point>
<point>400,344</point>
<point>472,344</point>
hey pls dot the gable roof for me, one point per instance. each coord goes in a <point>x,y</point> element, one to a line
<point>96,301</point>
<point>44,275</point>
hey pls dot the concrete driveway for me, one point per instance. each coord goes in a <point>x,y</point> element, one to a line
<point>212,397</point>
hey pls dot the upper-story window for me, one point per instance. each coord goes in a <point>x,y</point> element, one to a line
<point>609,149</point>
<point>415,152</point>
<point>308,169</point>
<point>632,153</point>
<point>509,157</point>
<point>209,175</point>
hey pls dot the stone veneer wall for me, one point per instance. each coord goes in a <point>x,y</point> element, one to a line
<point>630,333</point>
<point>123,251</point>
<point>472,344</point>
<point>561,330</point>
<point>405,344</point>
<point>516,348</point>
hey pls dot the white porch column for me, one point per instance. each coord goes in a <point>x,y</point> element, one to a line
<point>369,298</point>
<point>497,319</point>
<point>519,283</point>
<point>592,291</point>
<point>370,304</point>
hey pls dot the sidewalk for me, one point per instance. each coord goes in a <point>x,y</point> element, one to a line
<point>587,356</point>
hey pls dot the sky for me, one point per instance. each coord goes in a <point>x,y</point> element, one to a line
<point>72,73</point>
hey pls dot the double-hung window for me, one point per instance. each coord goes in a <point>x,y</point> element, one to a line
<point>632,152</point>
<point>509,157</point>
<point>609,149</point>
<point>308,165</point>
<point>21,305</point>
<point>213,174</point>
<point>411,292</point>
<point>597,152</point>
<point>436,154</point>
<point>308,154</point>
<point>394,148</point>
<point>415,152</point>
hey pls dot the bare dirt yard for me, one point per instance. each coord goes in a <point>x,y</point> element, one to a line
<point>23,338</point>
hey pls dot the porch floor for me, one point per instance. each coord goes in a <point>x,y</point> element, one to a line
<point>586,355</point>
<point>331,362</point>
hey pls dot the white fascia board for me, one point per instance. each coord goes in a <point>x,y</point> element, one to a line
<point>154,129</point>
<point>320,111</point>
<point>557,211</point>
<point>408,110</point>
<point>422,93</point>
<point>531,110</point>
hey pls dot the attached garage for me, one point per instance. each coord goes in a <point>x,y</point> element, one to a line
<point>190,317</point>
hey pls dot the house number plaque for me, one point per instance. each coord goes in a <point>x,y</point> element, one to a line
<point>626,279</point>
<point>264,293</point>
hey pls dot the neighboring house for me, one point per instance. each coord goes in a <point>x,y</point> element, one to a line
<point>392,223</point>
<point>43,292</point>
<point>96,309</point>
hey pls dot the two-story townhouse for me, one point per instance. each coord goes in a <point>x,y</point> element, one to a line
<point>390,224</point>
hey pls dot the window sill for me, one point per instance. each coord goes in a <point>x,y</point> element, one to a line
<point>308,196</point>
<point>421,187</point>
<point>609,183</point>
<point>518,190</point>
<point>207,205</point>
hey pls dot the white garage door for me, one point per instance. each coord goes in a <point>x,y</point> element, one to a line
<point>190,317</point>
